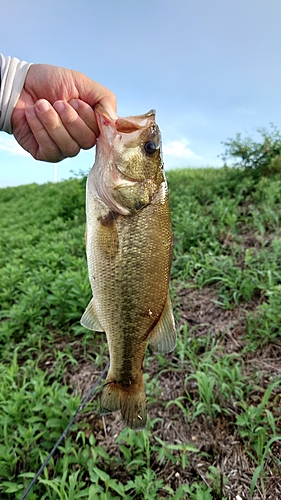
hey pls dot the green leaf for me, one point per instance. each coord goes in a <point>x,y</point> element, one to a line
<point>10,487</point>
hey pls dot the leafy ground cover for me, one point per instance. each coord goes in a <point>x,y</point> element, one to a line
<point>215,403</point>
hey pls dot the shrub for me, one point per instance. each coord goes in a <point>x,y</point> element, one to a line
<point>263,156</point>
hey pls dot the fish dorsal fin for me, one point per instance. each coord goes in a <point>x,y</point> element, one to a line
<point>163,337</point>
<point>90,319</point>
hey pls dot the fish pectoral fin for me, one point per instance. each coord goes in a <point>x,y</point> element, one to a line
<point>163,337</point>
<point>90,319</point>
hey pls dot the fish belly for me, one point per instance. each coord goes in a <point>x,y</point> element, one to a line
<point>129,265</point>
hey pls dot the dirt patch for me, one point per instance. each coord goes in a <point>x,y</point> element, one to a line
<point>199,309</point>
<point>218,440</point>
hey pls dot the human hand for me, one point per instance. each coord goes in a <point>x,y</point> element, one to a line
<point>54,118</point>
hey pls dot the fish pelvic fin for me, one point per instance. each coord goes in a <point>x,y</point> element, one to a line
<point>90,319</point>
<point>163,338</point>
<point>130,400</point>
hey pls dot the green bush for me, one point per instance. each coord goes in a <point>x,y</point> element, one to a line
<point>263,155</point>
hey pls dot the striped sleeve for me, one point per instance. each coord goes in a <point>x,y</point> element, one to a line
<point>12,76</point>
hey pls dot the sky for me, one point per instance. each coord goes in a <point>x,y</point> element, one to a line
<point>210,68</point>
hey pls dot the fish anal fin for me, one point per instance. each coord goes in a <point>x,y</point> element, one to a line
<point>110,399</point>
<point>130,400</point>
<point>90,319</point>
<point>163,337</point>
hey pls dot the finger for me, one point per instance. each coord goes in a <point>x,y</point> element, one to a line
<point>79,120</point>
<point>93,92</point>
<point>50,120</point>
<point>43,147</point>
<point>86,112</point>
<point>109,104</point>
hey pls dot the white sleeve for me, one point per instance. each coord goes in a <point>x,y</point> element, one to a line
<point>12,76</point>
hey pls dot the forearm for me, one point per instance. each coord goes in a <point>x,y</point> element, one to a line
<point>13,73</point>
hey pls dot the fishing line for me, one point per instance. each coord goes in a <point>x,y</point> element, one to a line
<point>80,408</point>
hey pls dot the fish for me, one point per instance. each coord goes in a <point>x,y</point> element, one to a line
<point>129,247</point>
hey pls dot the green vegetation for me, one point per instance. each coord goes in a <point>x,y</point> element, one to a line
<point>264,157</point>
<point>215,403</point>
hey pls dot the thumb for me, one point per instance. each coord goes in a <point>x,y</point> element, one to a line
<point>110,106</point>
<point>93,92</point>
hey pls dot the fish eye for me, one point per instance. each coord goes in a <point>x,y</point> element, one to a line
<point>150,147</point>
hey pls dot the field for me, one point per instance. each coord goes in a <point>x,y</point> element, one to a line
<point>214,430</point>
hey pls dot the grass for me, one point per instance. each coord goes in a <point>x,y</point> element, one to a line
<point>215,403</point>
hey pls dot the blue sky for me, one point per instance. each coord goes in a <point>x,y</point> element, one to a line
<point>210,68</point>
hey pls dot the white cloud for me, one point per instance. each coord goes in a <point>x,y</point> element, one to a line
<point>9,145</point>
<point>178,149</point>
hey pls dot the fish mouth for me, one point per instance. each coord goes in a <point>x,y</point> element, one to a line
<point>122,126</point>
<point>126,125</point>
<point>134,123</point>
<point>114,180</point>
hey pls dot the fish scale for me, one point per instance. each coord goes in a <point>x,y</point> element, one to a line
<point>129,258</point>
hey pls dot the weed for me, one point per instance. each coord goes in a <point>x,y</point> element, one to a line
<point>227,238</point>
<point>264,324</point>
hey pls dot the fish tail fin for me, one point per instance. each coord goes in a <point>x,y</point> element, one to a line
<point>130,400</point>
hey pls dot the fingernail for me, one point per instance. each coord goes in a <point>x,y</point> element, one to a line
<point>42,105</point>
<point>74,103</point>
<point>111,112</point>
<point>30,111</point>
<point>59,106</point>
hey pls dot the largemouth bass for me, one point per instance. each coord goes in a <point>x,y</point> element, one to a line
<point>129,250</point>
